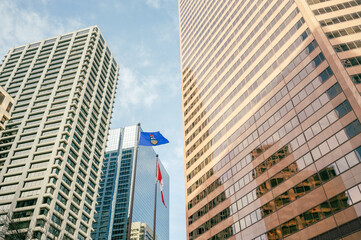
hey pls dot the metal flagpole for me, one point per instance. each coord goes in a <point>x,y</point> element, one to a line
<point>133,184</point>
<point>155,195</point>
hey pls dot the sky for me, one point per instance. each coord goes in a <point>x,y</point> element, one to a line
<point>144,38</point>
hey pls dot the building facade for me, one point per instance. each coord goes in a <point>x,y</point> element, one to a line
<point>271,118</point>
<point>115,195</point>
<point>141,231</point>
<point>52,149</point>
<point>6,102</point>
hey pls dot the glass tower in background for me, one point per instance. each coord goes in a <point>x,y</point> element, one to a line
<point>52,149</point>
<point>117,181</point>
<point>271,118</point>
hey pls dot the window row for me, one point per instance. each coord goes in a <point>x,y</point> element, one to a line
<point>343,18</point>
<point>343,47</point>
<point>262,167</point>
<point>339,166</point>
<point>350,62</point>
<point>343,32</point>
<point>220,50</point>
<point>246,65</point>
<point>317,213</point>
<point>324,76</point>
<point>350,160</point>
<point>337,7</point>
<point>262,78</point>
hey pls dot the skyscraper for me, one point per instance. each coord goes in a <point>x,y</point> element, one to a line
<point>115,195</point>
<point>51,151</point>
<point>141,231</point>
<point>6,102</point>
<point>271,118</point>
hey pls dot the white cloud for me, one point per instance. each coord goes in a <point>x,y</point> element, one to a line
<point>159,3</point>
<point>21,26</point>
<point>143,54</point>
<point>135,91</point>
<point>116,5</point>
<point>153,3</point>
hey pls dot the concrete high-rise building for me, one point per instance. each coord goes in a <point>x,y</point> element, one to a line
<point>52,149</point>
<point>6,102</point>
<point>115,195</point>
<point>271,117</point>
<point>141,231</point>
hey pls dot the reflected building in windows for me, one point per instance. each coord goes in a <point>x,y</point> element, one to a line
<point>271,117</point>
<point>115,195</point>
<point>52,148</point>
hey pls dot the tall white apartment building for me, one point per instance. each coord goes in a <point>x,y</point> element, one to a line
<point>52,150</point>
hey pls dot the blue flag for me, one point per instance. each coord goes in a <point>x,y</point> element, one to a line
<point>152,139</point>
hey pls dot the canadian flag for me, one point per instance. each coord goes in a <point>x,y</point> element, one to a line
<point>160,179</point>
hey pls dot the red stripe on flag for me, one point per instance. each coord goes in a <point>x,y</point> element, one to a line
<point>160,179</point>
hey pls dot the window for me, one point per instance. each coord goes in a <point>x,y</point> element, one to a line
<point>22,152</point>
<point>42,156</point>
<point>52,180</point>
<point>57,220</point>
<point>15,169</point>
<point>80,182</point>
<point>7,197</point>
<point>26,203</point>
<point>59,209</point>
<point>46,140</point>
<point>88,200</point>
<point>11,178</point>
<point>19,225</point>
<point>85,218</point>
<point>37,183</point>
<point>76,200</point>
<point>8,187</point>
<point>66,180</point>
<point>69,171</point>
<point>74,209</point>
<point>30,193</point>
<point>22,214</point>
<point>82,174</point>
<point>78,191</point>
<point>44,148</point>
<point>69,229</point>
<point>64,189</point>
<point>62,199</point>
<point>86,209</point>
<point>45,133</point>
<point>83,227</point>
<point>54,231</point>
<point>72,219</point>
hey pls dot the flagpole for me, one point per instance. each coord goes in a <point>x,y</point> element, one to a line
<point>133,185</point>
<point>155,195</point>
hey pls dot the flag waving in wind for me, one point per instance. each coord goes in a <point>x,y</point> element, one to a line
<point>160,180</point>
<point>152,139</point>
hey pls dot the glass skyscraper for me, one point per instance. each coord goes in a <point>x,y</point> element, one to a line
<point>115,195</point>
<point>271,118</point>
<point>52,149</point>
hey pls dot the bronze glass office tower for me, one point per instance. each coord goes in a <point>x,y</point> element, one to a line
<point>271,117</point>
